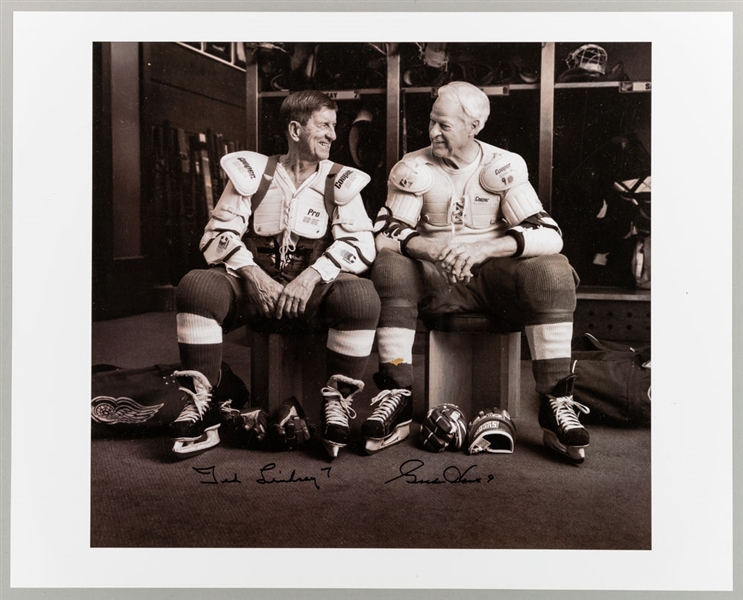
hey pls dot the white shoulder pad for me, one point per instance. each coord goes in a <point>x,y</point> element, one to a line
<point>413,177</point>
<point>245,169</point>
<point>348,183</point>
<point>504,172</point>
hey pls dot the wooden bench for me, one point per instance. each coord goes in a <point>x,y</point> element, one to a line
<point>473,361</point>
<point>287,359</point>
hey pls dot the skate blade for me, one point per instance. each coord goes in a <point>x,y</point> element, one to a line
<point>576,453</point>
<point>401,432</point>
<point>185,448</point>
<point>332,448</point>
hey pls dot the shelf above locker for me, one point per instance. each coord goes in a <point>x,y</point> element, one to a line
<point>490,90</point>
<point>334,94</point>
<point>622,86</point>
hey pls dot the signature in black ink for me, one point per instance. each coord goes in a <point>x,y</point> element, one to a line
<point>451,474</point>
<point>267,477</point>
<point>211,473</point>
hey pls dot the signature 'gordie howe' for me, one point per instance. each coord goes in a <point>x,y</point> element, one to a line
<point>409,471</point>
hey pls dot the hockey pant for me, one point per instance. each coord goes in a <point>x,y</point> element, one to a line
<point>210,303</point>
<point>534,294</point>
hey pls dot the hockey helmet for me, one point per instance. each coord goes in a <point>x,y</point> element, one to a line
<point>433,54</point>
<point>589,57</point>
<point>492,430</point>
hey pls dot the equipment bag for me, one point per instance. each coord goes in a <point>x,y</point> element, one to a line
<point>613,380</point>
<point>133,402</point>
<point>142,402</point>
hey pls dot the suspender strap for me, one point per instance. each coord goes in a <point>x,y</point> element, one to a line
<point>265,181</point>
<point>268,178</point>
<point>330,189</point>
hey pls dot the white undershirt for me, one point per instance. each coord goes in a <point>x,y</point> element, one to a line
<point>459,177</point>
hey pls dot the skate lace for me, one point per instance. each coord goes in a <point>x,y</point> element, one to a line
<point>387,401</point>
<point>565,412</point>
<point>196,405</point>
<point>337,408</point>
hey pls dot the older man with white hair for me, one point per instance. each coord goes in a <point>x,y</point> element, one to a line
<point>463,230</point>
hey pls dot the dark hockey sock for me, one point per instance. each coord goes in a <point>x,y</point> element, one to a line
<point>204,358</point>
<point>548,373</point>
<point>350,366</point>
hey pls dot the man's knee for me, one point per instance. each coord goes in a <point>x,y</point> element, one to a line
<point>204,292</point>
<point>395,275</point>
<point>353,303</point>
<point>547,281</point>
<point>357,296</point>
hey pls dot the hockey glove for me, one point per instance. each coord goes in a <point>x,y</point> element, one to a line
<point>289,427</point>
<point>444,428</point>
<point>245,428</point>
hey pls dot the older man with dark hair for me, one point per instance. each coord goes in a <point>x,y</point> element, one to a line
<point>463,230</point>
<point>287,240</point>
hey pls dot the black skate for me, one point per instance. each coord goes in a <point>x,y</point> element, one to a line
<point>335,429</point>
<point>558,417</point>
<point>390,421</point>
<point>195,429</point>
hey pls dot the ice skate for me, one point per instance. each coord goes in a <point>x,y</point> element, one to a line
<point>558,418</point>
<point>336,411</point>
<point>196,428</point>
<point>389,424</point>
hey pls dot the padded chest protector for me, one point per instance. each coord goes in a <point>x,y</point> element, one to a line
<point>478,208</point>
<point>310,212</point>
<point>306,215</point>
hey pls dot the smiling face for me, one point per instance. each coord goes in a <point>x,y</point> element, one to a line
<point>316,136</point>
<point>452,134</point>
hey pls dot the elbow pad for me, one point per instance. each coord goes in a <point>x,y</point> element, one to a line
<point>392,233</point>
<point>347,253</point>
<point>227,248</point>
<point>536,236</point>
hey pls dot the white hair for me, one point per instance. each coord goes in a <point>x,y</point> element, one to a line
<point>474,102</point>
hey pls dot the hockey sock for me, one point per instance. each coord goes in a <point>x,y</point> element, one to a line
<point>550,347</point>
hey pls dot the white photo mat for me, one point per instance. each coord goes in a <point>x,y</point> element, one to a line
<point>692,139</point>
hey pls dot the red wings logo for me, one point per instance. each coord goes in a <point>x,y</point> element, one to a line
<point>108,410</point>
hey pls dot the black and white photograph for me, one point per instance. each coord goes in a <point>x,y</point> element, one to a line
<point>373,306</point>
<point>355,297</point>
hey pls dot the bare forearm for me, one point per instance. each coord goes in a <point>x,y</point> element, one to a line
<point>424,248</point>
<point>496,248</point>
